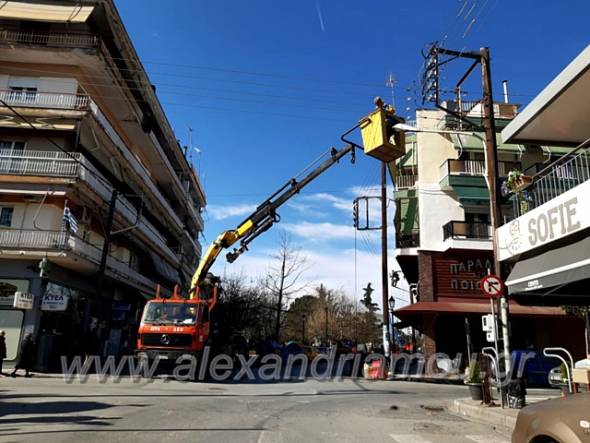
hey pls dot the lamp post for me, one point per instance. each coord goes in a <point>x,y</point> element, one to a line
<point>391,332</point>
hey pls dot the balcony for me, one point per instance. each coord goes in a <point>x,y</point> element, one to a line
<point>461,230</point>
<point>409,239</point>
<point>73,166</point>
<point>552,182</point>
<point>466,179</point>
<point>474,168</point>
<point>405,181</point>
<point>52,39</point>
<point>45,163</point>
<point>49,100</point>
<point>22,240</point>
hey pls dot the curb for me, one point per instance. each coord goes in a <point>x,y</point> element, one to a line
<point>489,415</point>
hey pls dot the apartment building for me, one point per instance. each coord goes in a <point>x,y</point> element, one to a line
<point>443,232</point>
<point>82,132</point>
<point>546,245</point>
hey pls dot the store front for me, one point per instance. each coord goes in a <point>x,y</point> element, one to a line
<point>11,319</point>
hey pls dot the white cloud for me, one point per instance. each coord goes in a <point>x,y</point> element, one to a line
<point>319,232</point>
<point>221,212</point>
<point>344,204</point>
<point>306,209</point>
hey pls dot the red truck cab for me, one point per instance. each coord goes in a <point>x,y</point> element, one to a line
<point>176,326</point>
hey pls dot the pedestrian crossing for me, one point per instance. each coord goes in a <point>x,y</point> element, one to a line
<point>416,438</point>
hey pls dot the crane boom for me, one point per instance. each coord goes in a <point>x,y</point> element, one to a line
<point>262,218</point>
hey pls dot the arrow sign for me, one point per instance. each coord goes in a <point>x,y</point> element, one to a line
<point>492,286</point>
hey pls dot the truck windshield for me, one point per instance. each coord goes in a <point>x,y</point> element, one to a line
<point>170,313</point>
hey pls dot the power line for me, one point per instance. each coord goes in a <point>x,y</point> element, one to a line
<point>173,85</point>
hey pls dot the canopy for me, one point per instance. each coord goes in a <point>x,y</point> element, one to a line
<point>466,142</point>
<point>74,13</point>
<point>559,115</point>
<point>551,269</point>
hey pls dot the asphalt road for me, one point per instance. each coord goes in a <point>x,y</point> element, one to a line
<point>43,409</point>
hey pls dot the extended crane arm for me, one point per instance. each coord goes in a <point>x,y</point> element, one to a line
<point>263,217</point>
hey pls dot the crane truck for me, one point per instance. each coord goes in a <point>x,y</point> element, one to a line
<point>180,325</point>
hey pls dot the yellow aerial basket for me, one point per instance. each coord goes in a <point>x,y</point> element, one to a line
<point>380,140</point>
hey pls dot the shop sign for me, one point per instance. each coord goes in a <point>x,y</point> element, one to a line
<point>9,287</point>
<point>558,218</point>
<point>23,300</point>
<point>54,302</point>
<point>460,273</point>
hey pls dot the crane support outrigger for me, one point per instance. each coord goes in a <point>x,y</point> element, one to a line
<point>180,325</point>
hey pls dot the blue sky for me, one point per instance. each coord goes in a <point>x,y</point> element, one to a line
<point>269,85</point>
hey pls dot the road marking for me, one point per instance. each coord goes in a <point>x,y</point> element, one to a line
<point>409,438</point>
<point>486,439</point>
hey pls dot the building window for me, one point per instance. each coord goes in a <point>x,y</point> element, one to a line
<point>23,94</point>
<point>12,145</point>
<point>6,216</point>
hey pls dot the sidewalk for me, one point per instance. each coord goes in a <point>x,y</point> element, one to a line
<point>495,415</point>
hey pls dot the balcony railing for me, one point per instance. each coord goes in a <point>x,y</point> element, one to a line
<point>553,182</point>
<point>62,240</point>
<point>73,165</point>
<point>35,99</point>
<point>467,230</point>
<point>33,239</point>
<point>52,39</point>
<point>46,163</point>
<point>405,181</point>
<point>408,239</point>
<point>474,167</point>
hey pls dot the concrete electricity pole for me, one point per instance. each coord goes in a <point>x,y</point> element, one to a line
<point>491,160</point>
<point>384,272</point>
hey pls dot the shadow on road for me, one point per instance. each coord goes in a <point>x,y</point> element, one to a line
<point>143,430</point>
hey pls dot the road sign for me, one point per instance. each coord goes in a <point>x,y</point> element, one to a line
<point>492,286</point>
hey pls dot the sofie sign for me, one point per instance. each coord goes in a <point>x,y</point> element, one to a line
<point>558,218</point>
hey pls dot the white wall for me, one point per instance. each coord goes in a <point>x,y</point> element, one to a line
<point>63,85</point>
<point>436,207</point>
<point>48,217</point>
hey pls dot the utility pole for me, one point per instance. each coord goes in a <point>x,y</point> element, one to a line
<point>491,160</point>
<point>384,273</point>
<point>104,255</point>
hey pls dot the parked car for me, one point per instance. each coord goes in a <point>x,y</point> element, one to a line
<point>561,420</point>
<point>537,368</point>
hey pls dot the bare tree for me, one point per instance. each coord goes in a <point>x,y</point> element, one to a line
<point>283,278</point>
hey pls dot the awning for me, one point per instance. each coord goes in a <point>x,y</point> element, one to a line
<point>559,115</point>
<point>551,269</point>
<point>164,269</point>
<point>474,307</point>
<point>557,150</point>
<point>74,13</point>
<point>472,143</point>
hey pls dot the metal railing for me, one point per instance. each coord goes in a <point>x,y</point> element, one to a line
<point>52,39</point>
<point>405,181</point>
<point>47,163</point>
<point>465,230</point>
<point>474,167</point>
<point>35,99</point>
<point>408,239</point>
<point>553,182</point>
<point>33,239</point>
